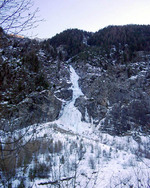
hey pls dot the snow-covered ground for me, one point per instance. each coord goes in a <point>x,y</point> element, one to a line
<point>73,153</point>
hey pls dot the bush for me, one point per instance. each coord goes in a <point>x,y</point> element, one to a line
<point>41,81</point>
<point>92,163</point>
<point>21,185</point>
<point>40,171</point>
<point>58,147</point>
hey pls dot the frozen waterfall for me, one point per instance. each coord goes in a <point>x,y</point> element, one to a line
<point>71,117</point>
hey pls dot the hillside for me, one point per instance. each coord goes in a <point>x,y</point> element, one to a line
<point>73,41</point>
<point>137,37</point>
<point>73,106</point>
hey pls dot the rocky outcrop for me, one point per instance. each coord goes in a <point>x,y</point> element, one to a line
<point>64,94</point>
<point>91,110</point>
<point>38,107</point>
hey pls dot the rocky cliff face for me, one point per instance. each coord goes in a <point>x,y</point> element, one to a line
<point>29,81</point>
<point>35,82</point>
<point>116,101</point>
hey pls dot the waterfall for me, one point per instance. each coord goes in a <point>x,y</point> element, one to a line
<point>71,116</point>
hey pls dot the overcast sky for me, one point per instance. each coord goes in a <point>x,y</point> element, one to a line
<point>89,15</point>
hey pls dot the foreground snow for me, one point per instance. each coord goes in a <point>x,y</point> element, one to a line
<point>91,161</point>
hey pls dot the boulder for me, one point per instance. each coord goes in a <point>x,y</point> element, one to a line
<point>64,94</point>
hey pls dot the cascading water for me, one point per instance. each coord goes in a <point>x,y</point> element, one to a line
<point>71,117</point>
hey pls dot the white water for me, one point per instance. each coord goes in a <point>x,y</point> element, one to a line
<point>71,117</point>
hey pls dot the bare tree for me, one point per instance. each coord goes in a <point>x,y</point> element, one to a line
<point>17,16</point>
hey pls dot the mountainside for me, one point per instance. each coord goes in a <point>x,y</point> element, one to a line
<point>80,100</point>
<point>73,41</point>
<point>137,37</point>
<point>116,88</point>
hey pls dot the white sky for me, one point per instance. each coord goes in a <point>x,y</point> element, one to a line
<point>89,15</point>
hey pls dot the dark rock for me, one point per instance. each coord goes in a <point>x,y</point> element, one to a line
<point>64,94</point>
<point>122,102</point>
<point>39,107</point>
<point>95,111</point>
